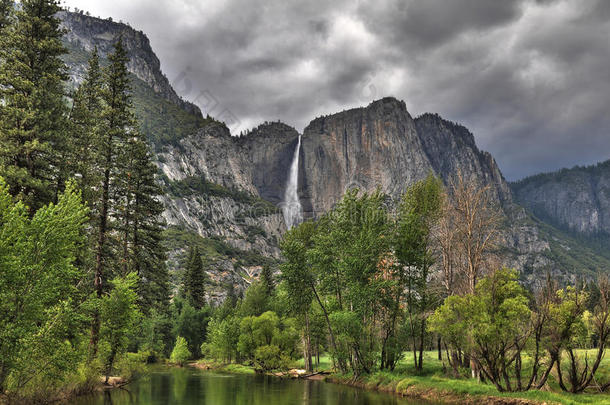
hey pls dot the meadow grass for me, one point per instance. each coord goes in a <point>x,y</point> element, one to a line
<point>434,382</point>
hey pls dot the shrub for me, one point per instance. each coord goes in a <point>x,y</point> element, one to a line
<point>267,358</point>
<point>181,352</point>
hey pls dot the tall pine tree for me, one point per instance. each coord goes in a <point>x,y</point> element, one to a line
<point>267,279</point>
<point>142,224</point>
<point>85,145</point>
<point>33,106</point>
<point>195,279</point>
<point>116,124</point>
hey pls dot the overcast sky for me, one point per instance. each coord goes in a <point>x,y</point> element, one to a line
<point>530,78</point>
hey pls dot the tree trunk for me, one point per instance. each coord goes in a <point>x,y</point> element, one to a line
<point>101,242</point>
<point>440,350</point>
<point>342,367</point>
<point>307,347</point>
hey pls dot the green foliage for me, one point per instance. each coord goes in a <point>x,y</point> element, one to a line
<point>348,246</point>
<point>131,366</point>
<point>180,353</point>
<point>256,300</point>
<point>492,325</point>
<point>39,298</point>
<point>268,358</point>
<point>191,323</point>
<point>119,315</point>
<point>222,338</point>
<point>6,11</point>
<point>32,109</point>
<point>156,335</point>
<point>418,213</point>
<point>297,275</point>
<point>246,344</point>
<point>195,279</point>
<point>142,224</point>
<point>84,127</point>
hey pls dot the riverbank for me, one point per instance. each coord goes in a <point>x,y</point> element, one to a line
<point>231,368</point>
<point>457,391</point>
<point>432,386</point>
<point>66,393</point>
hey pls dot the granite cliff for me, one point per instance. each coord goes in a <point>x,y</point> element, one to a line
<point>577,199</point>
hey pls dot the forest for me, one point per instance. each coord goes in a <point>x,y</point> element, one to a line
<point>85,291</point>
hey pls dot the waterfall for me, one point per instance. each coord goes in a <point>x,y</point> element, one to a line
<point>291,207</point>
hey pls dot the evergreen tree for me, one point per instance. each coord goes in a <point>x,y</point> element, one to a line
<point>33,107</point>
<point>117,123</point>
<point>84,147</point>
<point>195,279</point>
<point>231,298</point>
<point>267,279</point>
<point>147,227</point>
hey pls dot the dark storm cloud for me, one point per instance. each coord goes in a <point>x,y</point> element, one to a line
<point>530,78</point>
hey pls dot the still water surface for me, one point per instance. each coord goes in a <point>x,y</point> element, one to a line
<point>189,387</point>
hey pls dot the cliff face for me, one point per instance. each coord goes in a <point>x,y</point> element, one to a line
<point>578,198</point>
<point>365,148</point>
<point>85,33</point>
<point>247,177</point>
<point>451,148</point>
<point>382,145</point>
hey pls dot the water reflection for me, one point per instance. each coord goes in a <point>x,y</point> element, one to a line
<point>189,387</point>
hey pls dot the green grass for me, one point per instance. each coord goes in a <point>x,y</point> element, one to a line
<point>326,363</point>
<point>434,384</point>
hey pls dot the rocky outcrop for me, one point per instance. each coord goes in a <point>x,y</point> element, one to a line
<point>577,198</point>
<point>451,148</point>
<point>246,169</point>
<point>86,32</point>
<point>382,145</point>
<point>365,147</point>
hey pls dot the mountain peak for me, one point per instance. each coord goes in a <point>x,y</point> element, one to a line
<point>389,101</point>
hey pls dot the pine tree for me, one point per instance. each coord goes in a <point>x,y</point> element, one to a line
<point>195,279</point>
<point>231,298</point>
<point>85,146</point>
<point>144,226</point>
<point>267,279</point>
<point>33,107</point>
<point>117,122</point>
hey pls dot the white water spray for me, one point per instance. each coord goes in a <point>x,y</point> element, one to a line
<point>293,213</point>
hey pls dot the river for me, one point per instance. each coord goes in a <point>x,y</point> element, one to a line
<point>186,386</point>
